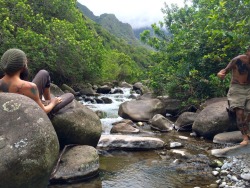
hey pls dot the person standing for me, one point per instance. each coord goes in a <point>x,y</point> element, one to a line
<point>239,91</point>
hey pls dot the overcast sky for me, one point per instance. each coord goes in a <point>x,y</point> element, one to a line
<point>137,13</point>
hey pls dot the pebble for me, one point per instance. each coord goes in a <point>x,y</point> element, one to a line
<point>235,172</point>
<point>175,144</point>
<point>215,173</point>
<point>223,184</point>
<point>245,176</point>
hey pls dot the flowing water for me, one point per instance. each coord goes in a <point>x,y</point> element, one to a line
<point>148,169</point>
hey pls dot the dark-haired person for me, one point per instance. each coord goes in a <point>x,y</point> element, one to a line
<point>239,91</point>
<point>15,68</point>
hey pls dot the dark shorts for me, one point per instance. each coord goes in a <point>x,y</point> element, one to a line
<point>239,97</point>
<point>42,80</point>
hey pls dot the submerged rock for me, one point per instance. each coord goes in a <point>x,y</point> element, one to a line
<point>129,142</point>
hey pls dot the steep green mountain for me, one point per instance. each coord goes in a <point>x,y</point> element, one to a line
<point>112,24</point>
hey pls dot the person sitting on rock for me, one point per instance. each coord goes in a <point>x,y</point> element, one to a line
<point>239,91</point>
<point>15,68</point>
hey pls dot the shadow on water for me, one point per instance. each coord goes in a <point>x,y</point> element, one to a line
<point>154,168</point>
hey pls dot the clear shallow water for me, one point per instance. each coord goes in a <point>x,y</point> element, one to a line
<point>144,169</point>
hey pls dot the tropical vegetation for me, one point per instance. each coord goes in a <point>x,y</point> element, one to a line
<point>56,36</point>
<point>205,36</point>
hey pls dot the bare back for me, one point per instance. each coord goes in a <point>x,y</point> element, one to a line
<point>16,85</point>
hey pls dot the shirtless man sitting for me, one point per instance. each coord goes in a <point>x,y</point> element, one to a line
<point>239,91</point>
<point>14,63</point>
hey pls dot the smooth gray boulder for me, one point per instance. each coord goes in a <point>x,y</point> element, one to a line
<point>228,137</point>
<point>28,143</point>
<point>185,121</point>
<point>213,119</point>
<point>77,124</point>
<point>77,163</point>
<point>141,110</point>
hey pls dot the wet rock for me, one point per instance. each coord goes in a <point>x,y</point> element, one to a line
<point>107,100</point>
<point>129,142</point>
<point>117,90</point>
<point>228,137</point>
<point>104,89</point>
<point>124,127</point>
<point>160,123</point>
<point>77,163</point>
<point>185,121</point>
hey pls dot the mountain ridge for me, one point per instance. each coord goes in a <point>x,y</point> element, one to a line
<point>113,25</point>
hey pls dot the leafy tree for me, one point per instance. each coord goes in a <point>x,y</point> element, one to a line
<point>204,37</point>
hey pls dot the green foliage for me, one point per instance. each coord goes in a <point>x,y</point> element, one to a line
<point>204,37</point>
<point>56,36</point>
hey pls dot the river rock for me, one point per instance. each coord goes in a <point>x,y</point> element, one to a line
<point>231,151</point>
<point>125,127</point>
<point>185,121</point>
<point>67,88</point>
<point>77,163</point>
<point>228,137</point>
<point>85,89</point>
<point>141,110</point>
<point>129,142</point>
<point>105,89</point>
<point>28,143</point>
<point>213,119</point>
<point>140,88</point>
<point>126,85</point>
<point>161,123</point>
<point>77,124</point>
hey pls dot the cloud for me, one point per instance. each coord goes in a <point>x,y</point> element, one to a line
<point>137,13</point>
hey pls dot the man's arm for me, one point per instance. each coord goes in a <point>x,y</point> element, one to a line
<point>226,70</point>
<point>33,93</point>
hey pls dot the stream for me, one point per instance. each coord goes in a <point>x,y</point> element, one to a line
<point>153,168</point>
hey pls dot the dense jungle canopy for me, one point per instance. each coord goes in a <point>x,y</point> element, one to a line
<point>204,36</point>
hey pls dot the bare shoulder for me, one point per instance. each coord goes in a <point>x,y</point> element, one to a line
<point>29,89</point>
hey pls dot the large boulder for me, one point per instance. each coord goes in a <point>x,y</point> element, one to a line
<point>77,163</point>
<point>141,110</point>
<point>28,143</point>
<point>213,119</point>
<point>77,124</point>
